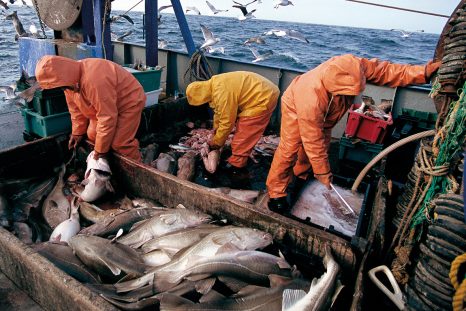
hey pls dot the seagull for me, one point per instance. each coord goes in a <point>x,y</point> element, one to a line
<point>117,17</point>
<point>9,91</point>
<point>214,9</point>
<point>209,38</point>
<point>259,57</point>
<point>33,30</point>
<point>212,50</point>
<point>162,44</point>
<point>159,16</point>
<point>406,34</point>
<point>4,5</point>
<point>194,9</point>
<point>120,38</point>
<point>293,34</point>
<point>282,3</point>
<point>257,40</point>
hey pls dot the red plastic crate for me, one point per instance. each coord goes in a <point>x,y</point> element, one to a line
<point>365,127</point>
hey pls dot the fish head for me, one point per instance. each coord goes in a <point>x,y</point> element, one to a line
<point>192,218</point>
<point>249,239</point>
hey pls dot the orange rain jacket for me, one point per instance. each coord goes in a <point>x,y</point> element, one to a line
<point>232,95</point>
<point>108,104</point>
<point>315,101</point>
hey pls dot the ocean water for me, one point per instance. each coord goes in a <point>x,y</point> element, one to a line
<point>324,41</point>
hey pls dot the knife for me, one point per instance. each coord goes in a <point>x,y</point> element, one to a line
<point>343,200</point>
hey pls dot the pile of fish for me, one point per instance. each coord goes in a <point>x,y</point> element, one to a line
<point>137,253</point>
<point>381,111</point>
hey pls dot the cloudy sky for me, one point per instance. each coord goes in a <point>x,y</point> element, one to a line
<point>331,12</point>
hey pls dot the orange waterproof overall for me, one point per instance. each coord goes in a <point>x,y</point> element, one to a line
<point>312,105</point>
<point>242,98</point>
<point>108,105</point>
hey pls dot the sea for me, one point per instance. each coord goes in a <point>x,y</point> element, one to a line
<point>324,41</point>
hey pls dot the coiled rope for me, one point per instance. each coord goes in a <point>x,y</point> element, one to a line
<point>198,68</point>
<point>460,294</point>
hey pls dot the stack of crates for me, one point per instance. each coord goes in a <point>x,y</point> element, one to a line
<point>150,81</point>
<point>47,114</point>
<point>364,135</point>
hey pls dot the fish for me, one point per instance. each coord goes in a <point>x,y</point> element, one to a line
<point>146,203</point>
<point>165,163</point>
<point>23,232</point>
<point>107,257</point>
<point>97,183</point>
<point>180,148</point>
<point>321,291</point>
<point>56,207</point>
<point>244,195</point>
<point>68,228</point>
<point>211,159</point>
<point>61,255</point>
<point>174,242</point>
<point>222,240</point>
<point>111,223</point>
<point>252,267</point>
<point>94,214</point>
<point>156,258</point>
<point>249,298</point>
<point>31,198</point>
<point>165,222</point>
<point>187,166</point>
<point>5,213</point>
<point>149,153</point>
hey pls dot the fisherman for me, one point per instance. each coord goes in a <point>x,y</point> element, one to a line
<point>313,104</point>
<point>242,99</point>
<point>105,101</point>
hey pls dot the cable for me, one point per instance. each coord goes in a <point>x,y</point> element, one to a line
<point>398,8</point>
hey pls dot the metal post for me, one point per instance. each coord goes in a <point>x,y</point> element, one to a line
<point>87,22</point>
<point>151,29</point>
<point>98,12</point>
<point>105,42</point>
<point>185,32</point>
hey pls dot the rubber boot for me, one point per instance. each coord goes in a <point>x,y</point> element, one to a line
<point>279,205</point>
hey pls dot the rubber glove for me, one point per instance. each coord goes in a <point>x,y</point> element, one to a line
<point>99,155</point>
<point>325,179</point>
<point>74,141</point>
<point>431,68</point>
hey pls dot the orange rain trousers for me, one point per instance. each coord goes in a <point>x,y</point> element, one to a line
<point>312,105</point>
<point>107,104</point>
<point>248,132</point>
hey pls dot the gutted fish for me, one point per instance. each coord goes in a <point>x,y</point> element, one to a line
<point>322,291</point>
<point>68,228</point>
<point>210,159</point>
<point>187,166</point>
<point>96,185</point>
<point>243,195</point>
<point>56,207</point>
<point>165,163</point>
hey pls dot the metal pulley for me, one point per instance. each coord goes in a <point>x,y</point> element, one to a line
<point>58,14</point>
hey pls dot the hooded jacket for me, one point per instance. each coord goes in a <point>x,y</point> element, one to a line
<point>106,90</point>
<point>232,95</point>
<point>323,95</point>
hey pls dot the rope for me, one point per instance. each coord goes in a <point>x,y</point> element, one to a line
<point>460,294</point>
<point>447,143</point>
<point>198,68</point>
<point>458,298</point>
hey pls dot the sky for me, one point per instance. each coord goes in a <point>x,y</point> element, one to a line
<point>330,12</point>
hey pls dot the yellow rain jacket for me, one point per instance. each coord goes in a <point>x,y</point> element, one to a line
<point>233,95</point>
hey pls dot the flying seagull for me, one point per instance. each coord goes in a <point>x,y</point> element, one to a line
<point>117,17</point>
<point>194,9</point>
<point>9,91</point>
<point>33,30</point>
<point>212,50</point>
<point>260,57</point>
<point>159,16</point>
<point>214,10</point>
<point>162,43</point>
<point>277,3</point>
<point>293,34</point>
<point>257,40</point>
<point>4,5</point>
<point>209,38</point>
<point>404,33</point>
<point>120,38</point>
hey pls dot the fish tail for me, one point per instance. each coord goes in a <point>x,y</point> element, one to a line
<point>134,284</point>
<point>164,281</point>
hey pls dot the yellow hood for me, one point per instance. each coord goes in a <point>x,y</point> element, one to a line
<point>199,92</point>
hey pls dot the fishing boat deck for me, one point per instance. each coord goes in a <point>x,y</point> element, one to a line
<point>13,298</point>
